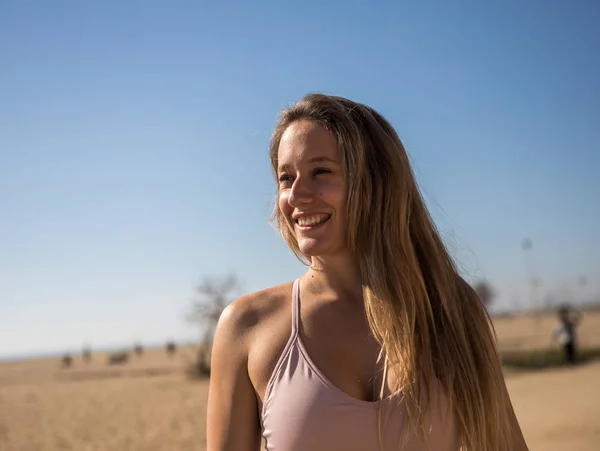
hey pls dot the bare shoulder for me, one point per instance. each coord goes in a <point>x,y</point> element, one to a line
<point>249,314</point>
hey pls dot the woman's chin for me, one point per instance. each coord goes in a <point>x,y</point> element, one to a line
<point>311,249</point>
<point>309,252</point>
<point>318,249</point>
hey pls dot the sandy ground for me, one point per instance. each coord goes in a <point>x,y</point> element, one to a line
<point>559,410</point>
<point>149,404</point>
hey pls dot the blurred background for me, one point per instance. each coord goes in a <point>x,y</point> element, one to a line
<point>136,192</point>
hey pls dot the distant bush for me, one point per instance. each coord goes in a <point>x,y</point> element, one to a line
<point>171,347</point>
<point>119,358</point>
<point>200,368</point>
<point>66,361</point>
<point>545,359</point>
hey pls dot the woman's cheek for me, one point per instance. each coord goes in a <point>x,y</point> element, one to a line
<point>331,193</point>
<point>285,209</point>
<point>282,201</point>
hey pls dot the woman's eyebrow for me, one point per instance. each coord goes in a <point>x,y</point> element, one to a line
<point>322,159</point>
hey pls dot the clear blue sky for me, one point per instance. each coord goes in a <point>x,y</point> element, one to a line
<point>133,146</point>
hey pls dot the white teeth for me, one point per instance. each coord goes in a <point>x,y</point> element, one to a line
<point>311,220</point>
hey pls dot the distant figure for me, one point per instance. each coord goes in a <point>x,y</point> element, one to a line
<point>138,349</point>
<point>564,332</point>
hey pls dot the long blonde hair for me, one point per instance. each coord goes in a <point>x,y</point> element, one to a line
<point>430,323</point>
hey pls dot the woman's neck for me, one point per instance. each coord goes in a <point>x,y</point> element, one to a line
<point>339,274</point>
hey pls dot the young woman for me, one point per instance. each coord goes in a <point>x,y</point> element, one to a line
<point>380,345</point>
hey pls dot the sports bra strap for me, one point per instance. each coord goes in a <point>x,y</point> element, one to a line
<point>295,307</point>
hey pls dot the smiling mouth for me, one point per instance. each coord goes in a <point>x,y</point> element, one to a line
<point>312,221</point>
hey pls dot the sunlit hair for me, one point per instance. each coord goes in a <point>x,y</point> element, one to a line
<point>429,322</point>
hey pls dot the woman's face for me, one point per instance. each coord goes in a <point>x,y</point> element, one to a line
<point>312,188</point>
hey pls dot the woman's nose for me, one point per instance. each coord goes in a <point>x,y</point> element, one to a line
<point>301,193</point>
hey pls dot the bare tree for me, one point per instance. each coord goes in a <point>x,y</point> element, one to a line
<point>485,292</point>
<point>213,295</point>
<point>87,353</point>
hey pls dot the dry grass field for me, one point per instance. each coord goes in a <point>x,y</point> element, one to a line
<point>149,404</point>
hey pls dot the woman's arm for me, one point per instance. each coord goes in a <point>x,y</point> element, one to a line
<point>232,412</point>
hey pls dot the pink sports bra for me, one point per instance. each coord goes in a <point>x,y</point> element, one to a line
<point>304,411</point>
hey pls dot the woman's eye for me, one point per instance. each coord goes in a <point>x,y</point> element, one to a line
<point>284,178</point>
<point>318,171</point>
